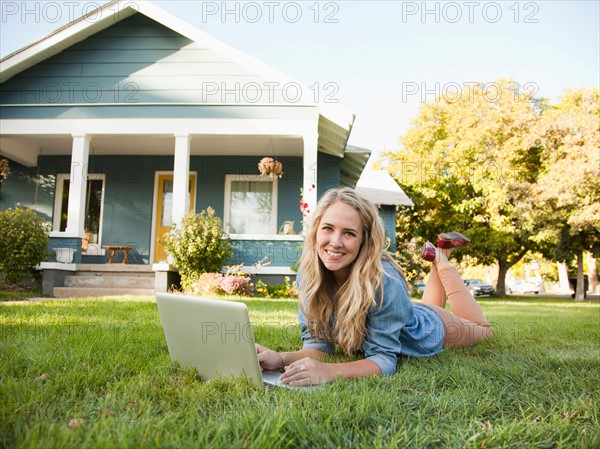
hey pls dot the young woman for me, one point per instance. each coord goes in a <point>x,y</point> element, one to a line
<point>352,293</point>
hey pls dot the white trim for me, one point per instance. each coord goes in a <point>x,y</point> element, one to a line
<point>181,179</point>
<point>163,266</point>
<point>70,105</point>
<point>285,271</point>
<point>310,168</point>
<point>80,153</point>
<point>64,235</point>
<point>274,237</point>
<point>250,178</point>
<point>56,211</point>
<point>56,266</point>
<point>159,126</point>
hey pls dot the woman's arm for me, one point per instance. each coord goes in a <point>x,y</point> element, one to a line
<point>308,371</point>
<point>272,360</point>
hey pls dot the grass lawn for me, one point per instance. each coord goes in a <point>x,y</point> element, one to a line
<point>97,373</point>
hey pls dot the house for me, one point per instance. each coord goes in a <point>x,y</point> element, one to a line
<point>122,122</point>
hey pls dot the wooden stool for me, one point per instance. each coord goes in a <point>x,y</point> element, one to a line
<point>111,249</point>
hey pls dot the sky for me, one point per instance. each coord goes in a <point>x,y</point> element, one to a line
<point>381,59</point>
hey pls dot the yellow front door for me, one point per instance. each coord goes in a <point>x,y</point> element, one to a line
<point>164,210</point>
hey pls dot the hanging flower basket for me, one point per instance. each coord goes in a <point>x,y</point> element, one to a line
<point>3,171</point>
<point>268,166</point>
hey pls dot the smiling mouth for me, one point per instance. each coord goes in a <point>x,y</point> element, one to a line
<point>333,253</point>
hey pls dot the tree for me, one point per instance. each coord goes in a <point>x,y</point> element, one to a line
<point>468,164</point>
<point>569,135</point>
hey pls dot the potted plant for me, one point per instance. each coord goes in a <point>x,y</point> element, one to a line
<point>268,166</point>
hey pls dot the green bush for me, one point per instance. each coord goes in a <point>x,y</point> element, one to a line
<point>286,290</point>
<point>24,243</point>
<point>198,245</point>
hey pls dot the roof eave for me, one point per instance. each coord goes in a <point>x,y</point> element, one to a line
<point>352,165</point>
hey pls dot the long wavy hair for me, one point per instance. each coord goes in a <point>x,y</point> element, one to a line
<point>349,305</point>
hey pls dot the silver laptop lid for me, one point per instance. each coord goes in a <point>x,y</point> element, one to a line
<point>213,336</point>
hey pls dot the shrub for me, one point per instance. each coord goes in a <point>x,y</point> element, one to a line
<point>198,245</point>
<point>24,243</point>
<point>286,290</point>
<point>207,284</point>
<point>236,285</point>
<point>218,284</point>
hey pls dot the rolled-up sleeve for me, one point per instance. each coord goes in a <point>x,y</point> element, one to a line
<point>385,322</point>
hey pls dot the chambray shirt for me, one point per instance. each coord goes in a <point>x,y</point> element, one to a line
<point>395,327</point>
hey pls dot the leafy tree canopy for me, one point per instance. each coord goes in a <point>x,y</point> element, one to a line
<point>469,165</point>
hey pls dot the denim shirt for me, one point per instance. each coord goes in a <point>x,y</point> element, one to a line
<point>395,326</point>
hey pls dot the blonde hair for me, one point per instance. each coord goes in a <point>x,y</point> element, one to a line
<point>351,303</point>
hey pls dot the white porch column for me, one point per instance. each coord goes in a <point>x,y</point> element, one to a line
<point>78,186</point>
<point>181,176</point>
<point>309,190</point>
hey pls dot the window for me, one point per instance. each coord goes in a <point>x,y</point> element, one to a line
<point>250,204</point>
<point>94,201</point>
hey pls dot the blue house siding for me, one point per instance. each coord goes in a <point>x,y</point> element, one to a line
<point>388,215</point>
<point>129,189</point>
<point>278,253</point>
<point>328,173</point>
<point>141,68</point>
<point>99,69</point>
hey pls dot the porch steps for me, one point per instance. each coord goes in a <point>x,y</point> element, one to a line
<point>107,280</point>
<point>86,292</point>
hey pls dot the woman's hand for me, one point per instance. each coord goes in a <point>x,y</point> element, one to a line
<point>269,360</point>
<point>306,372</point>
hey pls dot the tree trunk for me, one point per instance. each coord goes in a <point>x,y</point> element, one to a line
<point>592,274</point>
<point>580,290</point>
<point>503,267</point>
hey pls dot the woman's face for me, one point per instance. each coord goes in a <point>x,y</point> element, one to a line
<point>339,237</point>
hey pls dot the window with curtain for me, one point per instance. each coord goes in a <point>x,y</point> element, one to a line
<point>250,204</point>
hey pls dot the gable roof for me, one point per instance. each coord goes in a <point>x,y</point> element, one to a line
<point>335,121</point>
<point>379,187</point>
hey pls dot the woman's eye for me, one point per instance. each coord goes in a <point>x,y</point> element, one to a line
<point>349,234</point>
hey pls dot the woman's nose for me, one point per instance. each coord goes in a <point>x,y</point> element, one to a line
<point>335,240</point>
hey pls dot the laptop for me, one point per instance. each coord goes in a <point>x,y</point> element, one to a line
<point>214,337</point>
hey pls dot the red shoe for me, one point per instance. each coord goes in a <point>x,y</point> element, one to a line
<point>428,252</point>
<point>452,240</point>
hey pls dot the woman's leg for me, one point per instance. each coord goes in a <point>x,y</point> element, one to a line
<point>434,290</point>
<point>466,324</point>
<point>461,301</point>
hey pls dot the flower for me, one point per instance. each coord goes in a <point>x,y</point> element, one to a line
<point>304,208</point>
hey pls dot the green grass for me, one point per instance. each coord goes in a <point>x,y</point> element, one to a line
<point>18,296</point>
<point>535,384</point>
